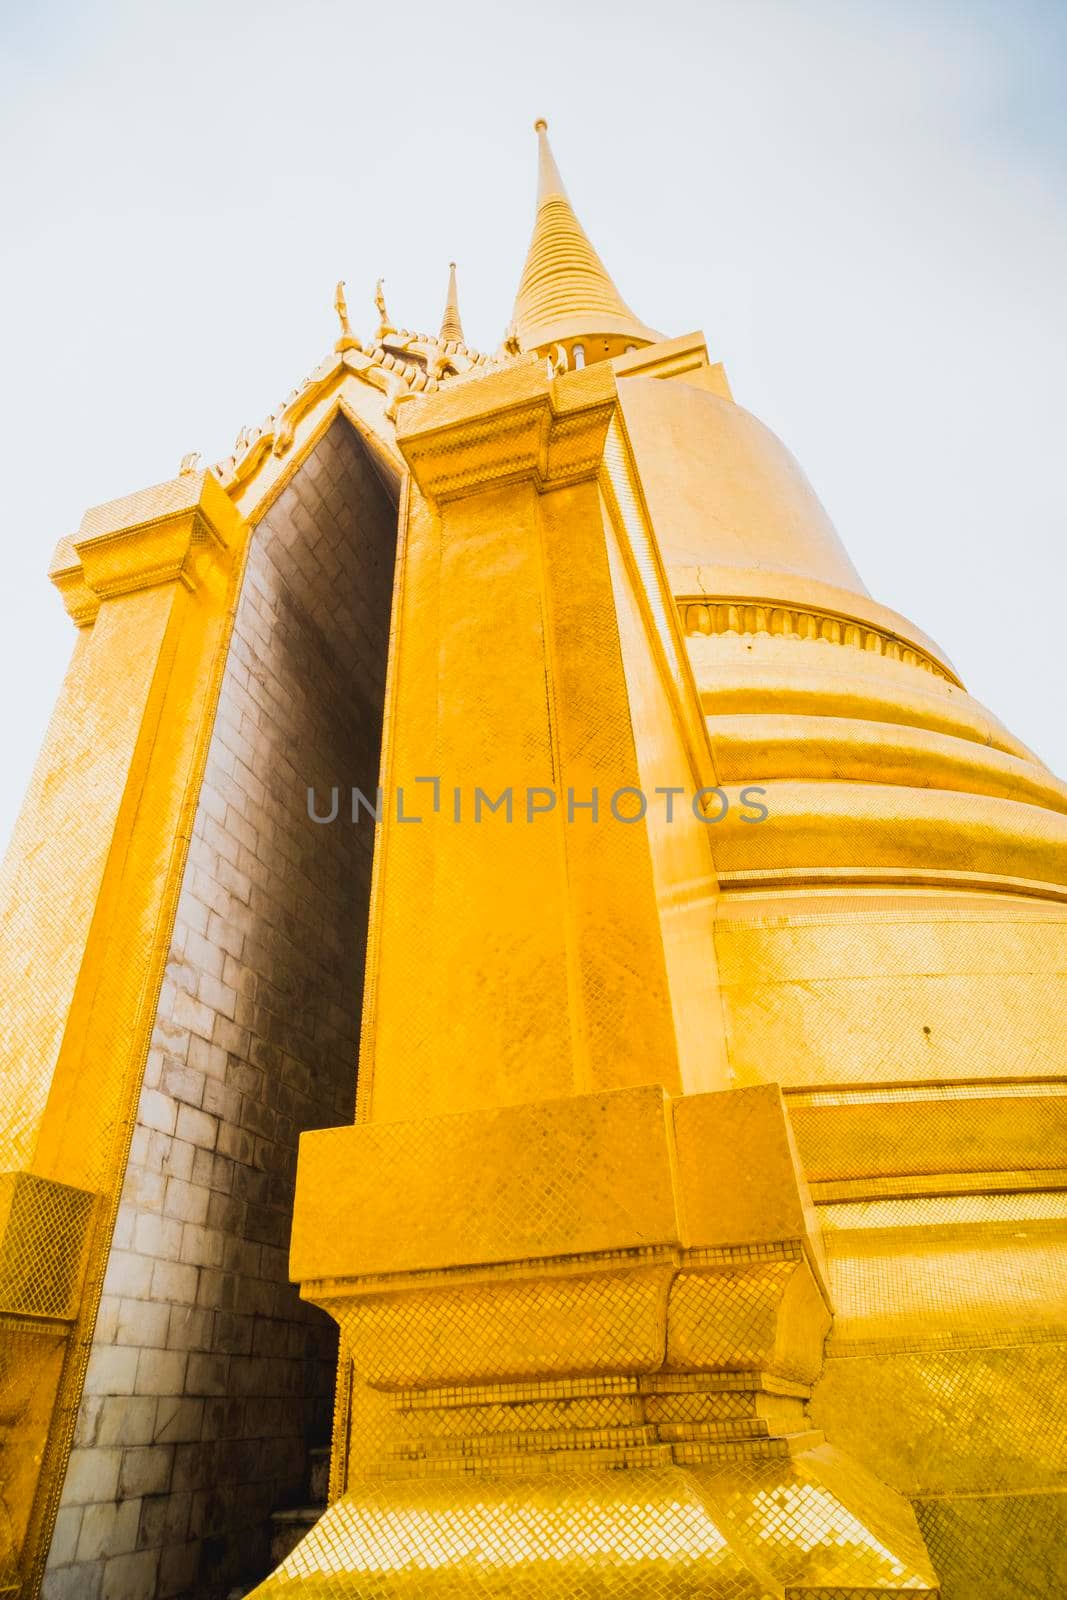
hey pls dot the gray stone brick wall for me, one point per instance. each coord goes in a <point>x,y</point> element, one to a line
<point>209,1380</point>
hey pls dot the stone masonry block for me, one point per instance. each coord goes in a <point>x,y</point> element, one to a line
<point>131,1577</point>
<point>108,1529</point>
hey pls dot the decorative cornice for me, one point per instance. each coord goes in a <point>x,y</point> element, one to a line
<point>668,358</point>
<point>172,532</point>
<point>741,614</point>
<point>517,424</point>
<point>79,601</point>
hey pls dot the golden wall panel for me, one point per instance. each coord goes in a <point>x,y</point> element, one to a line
<point>670,755</point>
<point>959,1129</point>
<point>999,1546</point>
<point>89,892</point>
<point>947,1372</point>
<point>973,1419</point>
<point>912,993</point>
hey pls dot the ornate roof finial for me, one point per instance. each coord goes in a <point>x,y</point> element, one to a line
<point>348,340</point>
<point>566,292</point>
<point>451,326</point>
<point>385,327</point>
<point>190,464</point>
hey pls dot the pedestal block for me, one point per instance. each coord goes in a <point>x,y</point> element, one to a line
<point>578,1342</point>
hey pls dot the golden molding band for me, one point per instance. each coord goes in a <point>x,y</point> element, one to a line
<point>923,1186</point>
<point>815,877</point>
<point>735,614</point>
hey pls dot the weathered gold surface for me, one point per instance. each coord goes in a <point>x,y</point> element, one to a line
<point>616,1319</point>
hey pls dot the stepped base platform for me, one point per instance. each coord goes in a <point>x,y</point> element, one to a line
<point>813,1526</point>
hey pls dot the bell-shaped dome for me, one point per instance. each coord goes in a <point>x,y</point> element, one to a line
<point>723,490</point>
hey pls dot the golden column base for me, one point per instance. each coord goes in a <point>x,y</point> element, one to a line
<point>579,1339</point>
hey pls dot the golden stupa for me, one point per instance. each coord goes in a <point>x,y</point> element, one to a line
<point>699,1230</point>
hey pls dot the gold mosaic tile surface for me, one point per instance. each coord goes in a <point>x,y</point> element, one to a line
<point>735,1533</point>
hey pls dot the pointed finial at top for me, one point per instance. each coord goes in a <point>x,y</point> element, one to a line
<point>549,182</point>
<point>451,326</point>
<point>566,294</point>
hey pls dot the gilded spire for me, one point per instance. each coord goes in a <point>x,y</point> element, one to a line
<point>566,292</point>
<point>549,182</point>
<point>451,326</point>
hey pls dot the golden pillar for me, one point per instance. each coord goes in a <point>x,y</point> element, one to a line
<point>579,1283</point>
<point>87,905</point>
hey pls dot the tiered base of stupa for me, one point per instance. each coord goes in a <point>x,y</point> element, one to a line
<point>612,1398</point>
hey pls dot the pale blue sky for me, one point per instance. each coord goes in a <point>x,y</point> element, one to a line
<point>864,205</point>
